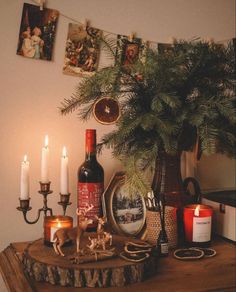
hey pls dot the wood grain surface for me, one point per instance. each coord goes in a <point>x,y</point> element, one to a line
<point>44,265</point>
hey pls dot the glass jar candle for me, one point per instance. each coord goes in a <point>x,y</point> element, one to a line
<point>52,224</point>
<point>197,224</point>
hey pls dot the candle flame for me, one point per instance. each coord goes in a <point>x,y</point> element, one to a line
<point>58,223</point>
<point>46,141</point>
<point>196,211</point>
<point>64,153</point>
<point>25,158</point>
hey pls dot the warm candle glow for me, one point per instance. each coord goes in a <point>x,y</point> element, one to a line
<point>25,158</point>
<point>53,223</point>
<point>196,211</point>
<point>58,225</point>
<point>64,154</point>
<point>197,223</point>
<point>46,141</point>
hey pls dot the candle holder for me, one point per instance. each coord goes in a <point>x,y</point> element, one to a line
<point>64,202</point>
<point>197,225</point>
<point>25,207</point>
<point>52,224</point>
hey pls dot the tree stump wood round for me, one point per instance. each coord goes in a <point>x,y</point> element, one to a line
<point>42,264</point>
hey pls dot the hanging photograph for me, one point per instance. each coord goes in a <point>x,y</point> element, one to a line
<point>37,32</point>
<point>164,48</point>
<point>128,51</point>
<point>125,212</point>
<point>82,50</point>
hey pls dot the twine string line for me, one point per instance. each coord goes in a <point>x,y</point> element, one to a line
<point>37,2</point>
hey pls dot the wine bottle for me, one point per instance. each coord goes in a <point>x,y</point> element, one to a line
<point>162,244</point>
<point>90,180</point>
<point>162,240</point>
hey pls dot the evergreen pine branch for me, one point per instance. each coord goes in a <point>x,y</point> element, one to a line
<point>208,137</point>
<point>135,179</point>
<point>108,43</point>
<point>167,101</point>
<point>69,105</point>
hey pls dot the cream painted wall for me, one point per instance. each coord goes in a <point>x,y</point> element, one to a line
<point>31,91</point>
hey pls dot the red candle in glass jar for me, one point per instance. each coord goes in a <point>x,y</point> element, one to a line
<point>52,224</point>
<point>197,223</point>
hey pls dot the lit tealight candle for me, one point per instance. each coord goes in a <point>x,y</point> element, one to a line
<point>197,223</point>
<point>54,229</point>
<point>24,183</point>
<point>52,224</point>
<point>44,162</point>
<point>64,189</point>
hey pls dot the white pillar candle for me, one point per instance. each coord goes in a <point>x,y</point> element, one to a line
<point>64,173</point>
<point>54,229</point>
<point>45,162</point>
<point>24,182</point>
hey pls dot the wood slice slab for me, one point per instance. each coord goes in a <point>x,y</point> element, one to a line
<point>42,264</point>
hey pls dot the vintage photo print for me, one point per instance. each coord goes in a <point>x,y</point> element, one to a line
<point>82,50</point>
<point>164,48</point>
<point>128,211</point>
<point>37,32</point>
<point>129,51</point>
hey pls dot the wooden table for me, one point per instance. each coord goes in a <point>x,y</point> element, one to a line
<point>208,274</point>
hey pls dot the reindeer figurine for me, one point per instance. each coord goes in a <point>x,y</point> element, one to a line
<point>100,241</point>
<point>102,236</point>
<point>75,233</point>
<point>100,227</point>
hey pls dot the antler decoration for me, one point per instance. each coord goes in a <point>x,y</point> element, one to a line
<point>84,211</point>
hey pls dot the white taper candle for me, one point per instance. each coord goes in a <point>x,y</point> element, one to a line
<point>45,162</point>
<point>64,182</point>
<point>24,182</point>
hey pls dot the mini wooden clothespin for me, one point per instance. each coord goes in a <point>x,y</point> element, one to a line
<point>41,3</point>
<point>147,44</point>
<point>171,40</point>
<point>210,40</point>
<point>132,36</point>
<point>86,23</point>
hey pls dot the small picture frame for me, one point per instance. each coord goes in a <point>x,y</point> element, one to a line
<point>82,50</point>
<point>127,51</point>
<point>125,213</point>
<point>164,48</point>
<point>130,53</point>
<point>37,32</point>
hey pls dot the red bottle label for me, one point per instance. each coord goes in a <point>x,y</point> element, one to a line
<point>90,193</point>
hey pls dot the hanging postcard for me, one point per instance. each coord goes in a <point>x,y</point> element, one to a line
<point>37,32</point>
<point>82,50</point>
<point>128,51</point>
<point>164,48</point>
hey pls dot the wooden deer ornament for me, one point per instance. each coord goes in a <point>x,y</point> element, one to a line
<point>100,241</point>
<point>100,227</point>
<point>75,233</point>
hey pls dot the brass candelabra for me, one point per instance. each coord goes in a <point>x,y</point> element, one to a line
<point>45,191</point>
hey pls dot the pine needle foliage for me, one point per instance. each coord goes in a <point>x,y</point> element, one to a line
<point>169,102</point>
